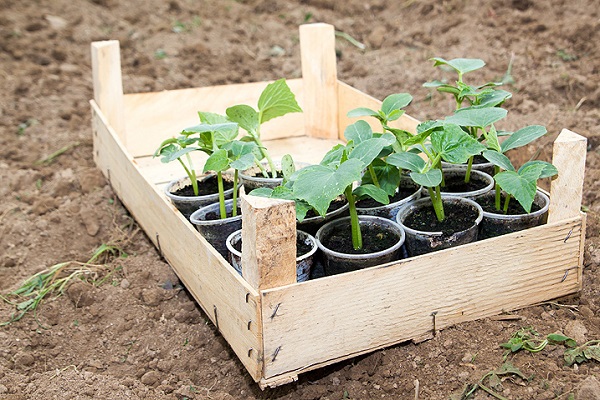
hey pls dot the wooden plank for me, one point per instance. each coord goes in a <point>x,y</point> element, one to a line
<point>568,155</point>
<point>108,85</point>
<point>229,301</point>
<point>376,307</point>
<point>351,98</point>
<point>160,115</point>
<point>319,74</point>
<point>268,255</point>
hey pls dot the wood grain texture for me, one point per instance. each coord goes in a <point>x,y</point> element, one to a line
<point>566,190</point>
<point>319,74</point>
<point>380,306</point>
<point>268,242</point>
<point>161,115</point>
<point>351,98</point>
<point>108,84</point>
<point>228,300</point>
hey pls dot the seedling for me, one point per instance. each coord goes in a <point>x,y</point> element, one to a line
<point>276,100</point>
<point>525,338</point>
<point>341,167</point>
<point>449,143</point>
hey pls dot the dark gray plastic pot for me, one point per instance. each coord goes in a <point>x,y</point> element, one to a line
<point>336,263</point>
<point>304,263</point>
<point>188,204</point>
<point>216,231</point>
<point>460,172</point>
<point>311,225</point>
<point>500,224</point>
<point>422,242</point>
<point>389,211</point>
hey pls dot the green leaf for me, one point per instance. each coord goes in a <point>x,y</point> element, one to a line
<point>362,112</point>
<point>287,166</point>
<point>245,116</point>
<point>521,187</point>
<point>572,355</point>
<point>358,132</point>
<point>492,140</point>
<point>558,338</point>
<point>173,152</point>
<point>319,185</point>
<point>408,161</point>
<point>546,169</point>
<point>498,159</point>
<point>477,117</point>
<point>394,102</point>
<point>493,98</point>
<point>334,156</point>
<point>434,84</point>
<point>368,150</point>
<point>460,65</point>
<point>431,178</point>
<point>592,352</point>
<point>523,136</point>
<point>244,162</point>
<point>218,161</point>
<point>387,175</point>
<point>212,118</point>
<point>455,145</point>
<point>276,100</point>
<point>372,191</point>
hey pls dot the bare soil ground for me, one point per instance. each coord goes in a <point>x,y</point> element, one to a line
<point>139,335</point>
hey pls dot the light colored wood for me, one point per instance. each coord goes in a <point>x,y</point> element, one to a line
<point>380,306</point>
<point>228,300</point>
<point>108,85</point>
<point>319,74</point>
<point>161,115</point>
<point>351,98</point>
<point>566,190</point>
<point>268,242</point>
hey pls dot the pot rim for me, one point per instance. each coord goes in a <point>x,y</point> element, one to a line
<point>472,193</point>
<point>228,204</point>
<point>194,198</point>
<point>539,212</point>
<point>329,215</point>
<point>396,203</point>
<point>244,174</point>
<point>404,211</point>
<point>235,234</point>
<point>385,221</point>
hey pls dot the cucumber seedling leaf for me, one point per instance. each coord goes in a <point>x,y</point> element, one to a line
<point>276,100</point>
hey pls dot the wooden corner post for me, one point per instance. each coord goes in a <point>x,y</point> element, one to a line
<point>108,85</point>
<point>319,75</point>
<point>268,242</point>
<point>566,190</point>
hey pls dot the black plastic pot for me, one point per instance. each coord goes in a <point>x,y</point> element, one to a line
<point>188,204</point>
<point>312,224</point>
<point>486,183</point>
<point>216,231</point>
<point>495,224</point>
<point>422,242</point>
<point>335,262</point>
<point>390,210</point>
<point>304,262</point>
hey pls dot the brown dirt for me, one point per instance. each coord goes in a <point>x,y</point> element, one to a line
<point>139,335</point>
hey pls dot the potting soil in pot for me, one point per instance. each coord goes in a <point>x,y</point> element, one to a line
<point>334,205</point>
<point>205,187</point>
<point>457,184</point>
<point>213,216</point>
<point>375,239</point>
<point>457,219</point>
<point>514,208</point>
<point>402,193</point>
<point>302,247</point>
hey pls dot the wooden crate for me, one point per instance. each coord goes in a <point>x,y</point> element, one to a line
<point>279,328</point>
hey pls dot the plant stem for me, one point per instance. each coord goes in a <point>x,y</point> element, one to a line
<point>265,153</point>
<point>506,201</point>
<point>235,184</point>
<point>260,166</point>
<point>469,167</point>
<point>373,176</point>
<point>498,190</point>
<point>436,200</point>
<point>356,234</point>
<point>192,175</point>
<point>222,208</point>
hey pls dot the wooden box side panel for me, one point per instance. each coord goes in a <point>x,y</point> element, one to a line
<point>154,117</point>
<point>350,98</point>
<point>369,309</point>
<point>231,304</point>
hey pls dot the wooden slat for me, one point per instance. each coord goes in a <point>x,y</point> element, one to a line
<point>153,117</point>
<point>319,74</point>
<point>351,98</point>
<point>108,85</point>
<point>268,255</point>
<point>376,307</point>
<point>568,155</point>
<point>226,298</point>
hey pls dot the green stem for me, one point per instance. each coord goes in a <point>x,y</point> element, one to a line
<point>265,153</point>
<point>192,175</point>
<point>469,167</point>
<point>260,167</point>
<point>222,208</point>
<point>436,200</point>
<point>506,202</point>
<point>498,190</point>
<point>373,175</point>
<point>235,194</point>
<point>356,234</point>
